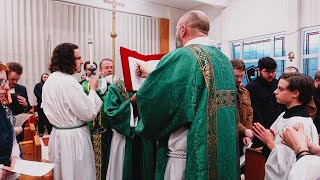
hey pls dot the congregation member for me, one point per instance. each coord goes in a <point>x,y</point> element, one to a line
<point>294,91</point>
<point>131,156</point>
<point>20,103</point>
<point>245,112</point>
<point>178,106</point>
<point>68,109</point>
<point>43,122</point>
<point>263,101</point>
<point>8,144</point>
<point>291,69</point>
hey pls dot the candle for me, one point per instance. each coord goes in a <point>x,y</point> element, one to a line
<point>90,44</point>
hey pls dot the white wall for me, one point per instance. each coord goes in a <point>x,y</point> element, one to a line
<point>243,19</point>
<point>249,18</point>
<point>174,16</point>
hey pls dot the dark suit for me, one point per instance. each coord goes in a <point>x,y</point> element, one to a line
<point>17,108</point>
<point>43,120</point>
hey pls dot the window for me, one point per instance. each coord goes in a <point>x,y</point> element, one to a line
<point>281,64</point>
<point>236,50</point>
<point>250,51</point>
<point>256,49</point>
<point>279,47</point>
<point>311,43</point>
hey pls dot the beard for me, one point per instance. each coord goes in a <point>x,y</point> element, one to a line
<point>178,42</point>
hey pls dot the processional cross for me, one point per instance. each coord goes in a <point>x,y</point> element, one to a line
<point>113,34</point>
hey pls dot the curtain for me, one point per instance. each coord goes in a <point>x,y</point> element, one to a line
<point>31,29</point>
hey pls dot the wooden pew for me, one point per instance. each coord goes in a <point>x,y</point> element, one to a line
<point>254,165</point>
<point>31,150</point>
<point>29,132</point>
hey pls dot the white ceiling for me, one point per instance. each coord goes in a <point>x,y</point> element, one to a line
<point>187,4</point>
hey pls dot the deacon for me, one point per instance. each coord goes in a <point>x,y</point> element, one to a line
<point>131,156</point>
<point>68,109</point>
<point>188,103</point>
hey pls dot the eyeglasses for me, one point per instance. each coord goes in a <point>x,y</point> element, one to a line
<point>4,82</point>
<point>239,76</point>
<point>269,71</point>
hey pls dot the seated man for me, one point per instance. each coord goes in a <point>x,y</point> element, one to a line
<point>294,91</point>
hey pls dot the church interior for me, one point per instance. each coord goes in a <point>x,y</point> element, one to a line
<point>288,31</point>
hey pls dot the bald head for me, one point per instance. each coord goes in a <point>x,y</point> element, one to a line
<point>191,25</point>
<point>196,20</point>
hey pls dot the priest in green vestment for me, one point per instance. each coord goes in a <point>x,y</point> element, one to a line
<point>101,142</point>
<point>188,103</point>
<point>131,156</point>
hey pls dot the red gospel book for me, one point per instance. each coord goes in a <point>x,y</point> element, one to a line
<point>129,59</point>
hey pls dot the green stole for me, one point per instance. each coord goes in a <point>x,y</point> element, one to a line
<point>117,109</point>
<point>193,86</point>
<point>101,142</point>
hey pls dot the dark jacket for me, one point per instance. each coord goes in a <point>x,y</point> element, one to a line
<point>17,108</point>
<point>38,93</point>
<point>6,138</point>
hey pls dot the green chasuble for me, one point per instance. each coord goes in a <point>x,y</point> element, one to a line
<point>139,153</point>
<point>193,87</point>
<point>101,143</point>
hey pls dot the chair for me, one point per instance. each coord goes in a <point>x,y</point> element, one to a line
<point>254,165</point>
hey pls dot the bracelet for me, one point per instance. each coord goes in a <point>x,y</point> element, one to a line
<point>300,154</point>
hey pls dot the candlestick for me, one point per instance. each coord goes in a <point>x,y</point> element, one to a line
<point>90,44</point>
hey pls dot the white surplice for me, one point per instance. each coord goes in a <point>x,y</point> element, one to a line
<point>306,168</point>
<point>66,105</point>
<point>117,151</point>
<point>282,158</point>
<point>176,163</point>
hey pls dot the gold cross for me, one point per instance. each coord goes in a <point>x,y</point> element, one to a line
<point>114,3</point>
<point>113,34</point>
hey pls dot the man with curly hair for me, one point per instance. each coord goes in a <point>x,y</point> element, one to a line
<point>68,109</point>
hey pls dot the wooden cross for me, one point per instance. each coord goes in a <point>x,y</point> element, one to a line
<point>113,34</point>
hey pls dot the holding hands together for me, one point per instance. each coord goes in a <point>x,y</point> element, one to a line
<point>264,135</point>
